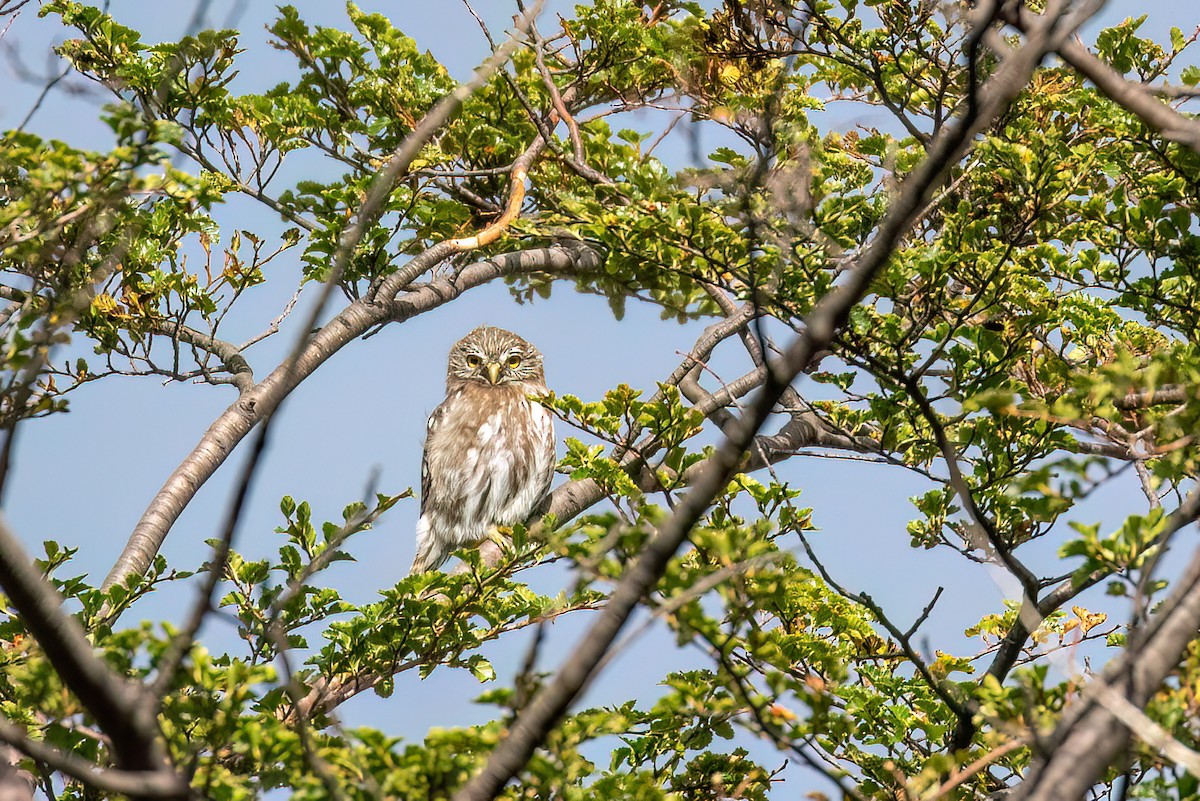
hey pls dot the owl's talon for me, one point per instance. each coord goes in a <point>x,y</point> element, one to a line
<point>501,537</point>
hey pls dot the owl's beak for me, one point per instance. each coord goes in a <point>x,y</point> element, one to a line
<point>493,371</point>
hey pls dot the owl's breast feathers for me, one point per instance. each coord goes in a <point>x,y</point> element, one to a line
<point>489,459</point>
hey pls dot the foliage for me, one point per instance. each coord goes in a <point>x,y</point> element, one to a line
<point>1036,330</point>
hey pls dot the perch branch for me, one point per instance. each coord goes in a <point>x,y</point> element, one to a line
<point>257,402</point>
<point>355,320</point>
<point>534,723</point>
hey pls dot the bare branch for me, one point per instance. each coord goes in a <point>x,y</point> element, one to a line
<point>230,355</point>
<point>273,328</point>
<point>1171,394</point>
<point>355,320</point>
<point>182,641</point>
<point>1175,92</point>
<point>579,164</point>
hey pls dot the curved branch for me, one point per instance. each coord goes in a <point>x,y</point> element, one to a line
<point>136,784</point>
<point>229,354</point>
<point>355,320</point>
<point>416,267</point>
<point>1171,394</point>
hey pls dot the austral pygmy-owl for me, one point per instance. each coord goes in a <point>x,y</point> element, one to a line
<point>489,453</point>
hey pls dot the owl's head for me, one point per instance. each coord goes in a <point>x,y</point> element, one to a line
<point>494,357</point>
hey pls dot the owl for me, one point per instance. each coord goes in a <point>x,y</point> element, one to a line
<point>489,451</point>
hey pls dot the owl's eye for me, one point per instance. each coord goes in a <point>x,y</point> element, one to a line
<point>514,362</point>
<point>474,361</point>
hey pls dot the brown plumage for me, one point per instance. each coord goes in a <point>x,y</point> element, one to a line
<point>489,453</point>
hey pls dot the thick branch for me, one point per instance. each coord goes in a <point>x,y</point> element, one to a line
<point>120,707</point>
<point>359,317</point>
<point>1091,737</point>
<point>158,784</point>
<point>1175,92</point>
<point>551,703</point>
<point>229,354</point>
<point>1173,394</point>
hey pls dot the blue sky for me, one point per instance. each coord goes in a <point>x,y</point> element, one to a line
<point>84,478</point>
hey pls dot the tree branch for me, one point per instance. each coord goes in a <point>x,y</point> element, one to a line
<point>355,320</point>
<point>120,707</point>
<point>157,784</point>
<point>229,354</point>
<point>1090,735</point>
<point>534,724</point>
<point>1172,394</point>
